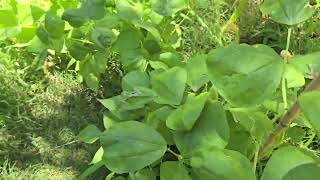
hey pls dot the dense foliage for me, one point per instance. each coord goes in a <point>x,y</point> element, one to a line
<point>204,117</point>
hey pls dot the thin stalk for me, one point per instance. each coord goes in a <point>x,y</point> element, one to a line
<point>286,120</point>
<point>310,140</point>
<point>175,154</point>
<point>255,160</point>
<point>283,81</point>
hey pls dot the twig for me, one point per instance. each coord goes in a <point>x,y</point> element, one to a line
<point>286,120</point>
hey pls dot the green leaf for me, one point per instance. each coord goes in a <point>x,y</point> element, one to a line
<point>169,85</point>
<point>129,10</point>
<point>97,156</point>
<point>310,105</point>
<point>307,64</point>
<point>294,78</point>
<point>130,146</point>
<point>89,9</point>
<point>36,13</point>
<point>245,75</point>
<point>157,120</point>
<point>285,159</point>
<point>305,171</point>
<point>168,7</point>
<point>102,37</point>
<point>135,79</point>
<point>296,134</point>
<point>90,134</point>
<point>90,170</point>
<point>197,72</point>
<point>8,18</point>
<point>54,25</point>
<point>144,174</point>
<point>173,170</point>
<point>288,12</point>
<point>224,164</point>
<point>255,122</point>
<point>186,115</point>
<point>129,39</point>
<point>210,130</point>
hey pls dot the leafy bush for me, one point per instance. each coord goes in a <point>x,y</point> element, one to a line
<point>207,117</point>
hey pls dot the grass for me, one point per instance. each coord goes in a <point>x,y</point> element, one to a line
<point>42,112</point>
<point>40,117</point>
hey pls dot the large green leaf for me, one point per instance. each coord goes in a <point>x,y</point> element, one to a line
<point>173,170</point>
<point>285,159</point>
<point>183,118</point>
<point>168,7</point>
<point>253,121</point>
<point>210,130</point>
<point>130,146</point>
<point>288,12</point>
<point>310,106</point>
<point>169,85</point>
<point>245,75</point>
<point>215,163</point>
<point>304,172</point>
<point>197,72</point>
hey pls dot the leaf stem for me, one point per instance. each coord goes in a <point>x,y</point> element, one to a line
<point>175,154</point>
<point>310,140</point>
<point>283,81</point>
<point>286,120</point>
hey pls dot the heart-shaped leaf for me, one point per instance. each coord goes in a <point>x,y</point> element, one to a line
<point>130,146</point>
<point>216,163</point>
<point>288,12</point>
<point>245,75</point>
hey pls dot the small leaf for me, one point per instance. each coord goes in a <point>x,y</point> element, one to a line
<point>310,106</point>
<point>186,115</point>
<point>169,85</point>
<point>8,19</point>
<point>210,130</point>
<point>135,79</point>
<point>157,120</point>
<point>168,7</point>
<point>294,78</point>
<point>144,174</point>
<point>97,156</point>
<point>197,72</point>
<point>173,170</point>
<point>285,159</point>
<point>307,64</point>
<point>216,163</point>
<point>89,134</point>
<point>245,75</point>
<point>288,12</point>
<point>253,121</point>
<point>130,146</point>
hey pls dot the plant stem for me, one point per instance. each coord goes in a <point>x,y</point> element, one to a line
<point>175,154</point>
<point>283,81</point>
<point>286,120</point>
<point>288,39</point>
<point>310,140</point>
<point>255,160</point>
